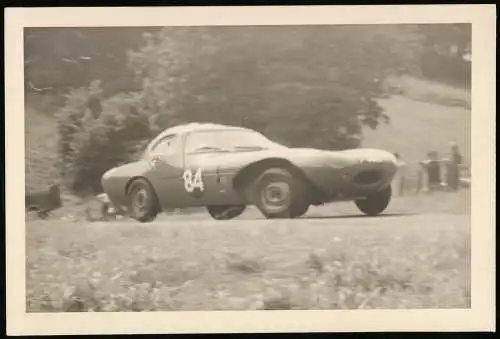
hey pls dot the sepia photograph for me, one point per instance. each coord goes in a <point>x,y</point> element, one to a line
<point>244,167</point>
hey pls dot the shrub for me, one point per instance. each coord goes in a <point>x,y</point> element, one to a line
<point>92,141</point>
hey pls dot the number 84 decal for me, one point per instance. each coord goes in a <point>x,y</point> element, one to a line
<point>192,181</point>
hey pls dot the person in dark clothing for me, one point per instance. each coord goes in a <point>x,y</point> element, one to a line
<point>433,168</point>
<point>453,168</point>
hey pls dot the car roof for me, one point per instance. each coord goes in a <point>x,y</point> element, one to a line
<point>193,127</point>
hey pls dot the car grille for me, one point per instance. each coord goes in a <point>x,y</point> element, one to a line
<point>368,177</point>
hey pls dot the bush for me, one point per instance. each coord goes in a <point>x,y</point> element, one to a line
<point>94,140</point>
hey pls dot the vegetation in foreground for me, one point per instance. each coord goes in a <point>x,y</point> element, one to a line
<point>316,263</point>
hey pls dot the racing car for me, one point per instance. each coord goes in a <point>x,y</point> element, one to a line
<point>227,168</point>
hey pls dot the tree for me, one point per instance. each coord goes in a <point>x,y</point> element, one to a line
<point>283,81</point>
<point>444,49</point>
<point>452,40</point>
<point>306,86</point>
<point>91,142</point>
<point>59,59</point>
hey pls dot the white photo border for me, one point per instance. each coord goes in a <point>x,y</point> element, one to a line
<point>480,317</point>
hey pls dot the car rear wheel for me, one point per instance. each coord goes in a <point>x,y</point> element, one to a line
<point>42,214</point>
<point>143,202</point>
<point>375,203</point>
<point>279,194</point>
<point>300,210</point>
<point>225,212</point>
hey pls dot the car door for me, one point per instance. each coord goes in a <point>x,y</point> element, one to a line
<point>167,169</point>
<point>206,183</point>
<point>202,179</point>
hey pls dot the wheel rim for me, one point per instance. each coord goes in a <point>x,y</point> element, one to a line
<point>140,202</point>
<point>276,196</point>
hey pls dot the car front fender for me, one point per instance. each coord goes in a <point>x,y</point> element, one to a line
<point>115,180</point>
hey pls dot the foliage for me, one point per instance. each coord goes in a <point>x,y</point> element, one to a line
<point>57,60</point>
<point>268,78</point>
<point>93,140</point>
<point>445,46</point>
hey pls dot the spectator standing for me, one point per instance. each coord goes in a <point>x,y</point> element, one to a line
<point>432,167</point>
<point>399,180</point>
<point>453,163</point>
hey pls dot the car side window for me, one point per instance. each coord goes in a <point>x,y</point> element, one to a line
<point>166,146</point>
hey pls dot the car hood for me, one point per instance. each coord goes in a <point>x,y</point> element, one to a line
<point>126,170</point>
<point>365,154</point>
<point>339,158</point>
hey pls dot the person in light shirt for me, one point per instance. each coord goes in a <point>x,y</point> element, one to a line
<point>399,180</point>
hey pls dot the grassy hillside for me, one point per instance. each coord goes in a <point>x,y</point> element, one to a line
<point>425,116</point>
<point>40,149</point>
<point>417,127</point>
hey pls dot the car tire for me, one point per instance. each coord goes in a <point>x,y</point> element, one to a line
<point>290,191</point>
<point>42,214</point>
<point>300,210</point>
<point>143,202</point>
<point>225,212</point>
<point>375,203</point>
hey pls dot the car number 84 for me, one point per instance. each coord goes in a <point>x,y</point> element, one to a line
<point>193,181</point>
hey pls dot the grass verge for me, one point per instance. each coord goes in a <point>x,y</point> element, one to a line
<point>320,262</point>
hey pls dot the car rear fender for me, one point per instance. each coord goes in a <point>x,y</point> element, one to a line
<point>250,172</point>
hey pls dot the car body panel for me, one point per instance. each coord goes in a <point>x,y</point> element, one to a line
<point>115,180</point>
<point>337,175</point>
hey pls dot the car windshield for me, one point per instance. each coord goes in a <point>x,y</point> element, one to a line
<point>227,141</point>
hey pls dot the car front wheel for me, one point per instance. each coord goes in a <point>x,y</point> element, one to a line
<point>225,212</point>
<point>143,202</point>
<point>279,194</point>
<point>375,203</point>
